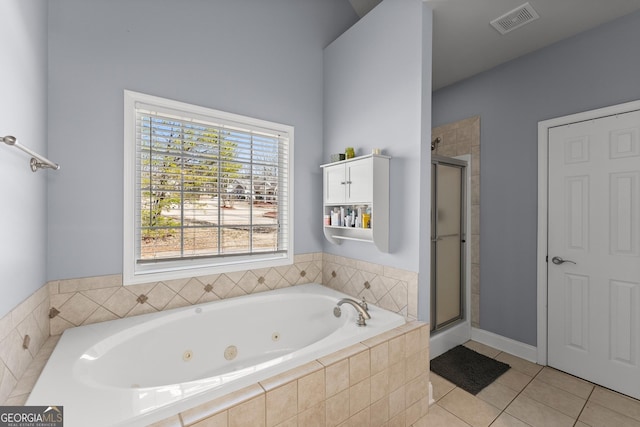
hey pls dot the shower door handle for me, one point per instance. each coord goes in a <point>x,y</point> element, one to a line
<point>443,236</point>
<point>558,260</point>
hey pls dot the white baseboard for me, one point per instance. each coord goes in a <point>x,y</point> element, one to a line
<point>431,399</point>
<point>517,348</point>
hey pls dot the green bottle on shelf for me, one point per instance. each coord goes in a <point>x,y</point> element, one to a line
<point>349,153</point>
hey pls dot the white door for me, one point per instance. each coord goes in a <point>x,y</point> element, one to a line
<point>594,225</point>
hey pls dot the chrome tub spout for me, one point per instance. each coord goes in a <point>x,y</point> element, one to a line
<point>363,314</point>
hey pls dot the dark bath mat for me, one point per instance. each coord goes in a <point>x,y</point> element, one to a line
<point>469,370</point>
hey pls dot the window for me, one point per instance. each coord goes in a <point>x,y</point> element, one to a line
<point>205,191</point>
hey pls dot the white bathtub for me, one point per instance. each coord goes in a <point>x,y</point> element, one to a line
<point>138,370</point>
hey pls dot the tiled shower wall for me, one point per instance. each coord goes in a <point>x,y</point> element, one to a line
<point>457,139</point>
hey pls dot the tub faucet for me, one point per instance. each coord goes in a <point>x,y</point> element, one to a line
<point>362,312</point>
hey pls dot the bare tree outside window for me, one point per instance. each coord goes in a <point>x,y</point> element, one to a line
<point>206,191</point>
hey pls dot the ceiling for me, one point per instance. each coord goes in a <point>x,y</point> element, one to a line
<point>465,44</point>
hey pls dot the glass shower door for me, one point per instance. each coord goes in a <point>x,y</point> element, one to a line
<point>447,242</point>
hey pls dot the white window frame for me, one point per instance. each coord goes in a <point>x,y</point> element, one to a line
<point>136,273</point>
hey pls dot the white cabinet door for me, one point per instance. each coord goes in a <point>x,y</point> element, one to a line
<point>359,175</point>
<point>594,251</point>
<point>334,184</point>
<point>350,182</point>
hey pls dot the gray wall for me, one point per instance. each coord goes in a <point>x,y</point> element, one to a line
<point>250,57</point>
<point>424,234</point>
<point>23,114</point>
<point>373,99</point>
<point>592,70</point>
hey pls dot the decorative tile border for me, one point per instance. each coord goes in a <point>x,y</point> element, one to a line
<point>77,302</point>
<point>387,287</point>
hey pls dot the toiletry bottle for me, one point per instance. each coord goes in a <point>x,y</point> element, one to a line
<point>350,153</point>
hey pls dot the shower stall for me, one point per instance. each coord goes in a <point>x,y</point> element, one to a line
<point>450,291</point>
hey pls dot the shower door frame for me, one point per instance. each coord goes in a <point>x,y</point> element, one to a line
<point>464,318</point>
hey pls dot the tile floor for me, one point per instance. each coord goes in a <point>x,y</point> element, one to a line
<point>529,395</point>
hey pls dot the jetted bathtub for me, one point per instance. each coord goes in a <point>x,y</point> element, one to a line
<point>138,370</point>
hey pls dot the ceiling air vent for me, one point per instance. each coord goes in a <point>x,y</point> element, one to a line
<point>515,19</point>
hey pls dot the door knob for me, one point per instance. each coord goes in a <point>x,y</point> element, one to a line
<point>558,260</point>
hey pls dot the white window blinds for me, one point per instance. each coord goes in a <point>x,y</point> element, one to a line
<point>207,187</point>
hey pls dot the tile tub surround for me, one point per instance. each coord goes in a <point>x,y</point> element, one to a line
<point>457,139</point>
<point>387,287</point>
<point>21,391</point>
<point>382,381</point>
<point>63,304</point>
<point>77,302</point>
<point>30,318</point>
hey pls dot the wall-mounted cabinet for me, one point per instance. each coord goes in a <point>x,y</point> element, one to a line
<point>356,200</point>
